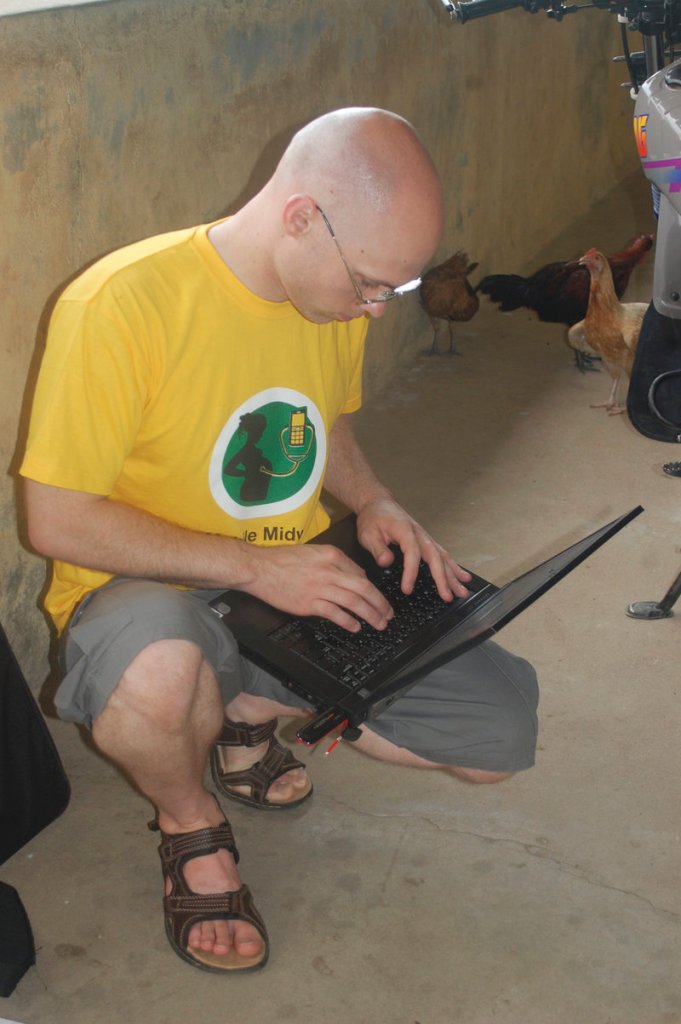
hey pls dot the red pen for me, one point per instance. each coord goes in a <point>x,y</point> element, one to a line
<point>337,739</point>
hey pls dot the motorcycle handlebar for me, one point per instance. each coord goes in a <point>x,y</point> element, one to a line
<point>467,10</point>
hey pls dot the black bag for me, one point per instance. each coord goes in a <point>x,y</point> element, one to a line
<point>17,950</point>
<point>34,789</point>
<point>654,397</point>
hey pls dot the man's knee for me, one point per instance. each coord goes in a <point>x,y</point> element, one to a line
<point>134,620</point>
<point>163,681</point>
<point>478,710</point>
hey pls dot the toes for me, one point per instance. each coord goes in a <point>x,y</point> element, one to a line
<point>248,947</point>
<point>289,785</point>
<point>295,779</point>
<point>220,937</point>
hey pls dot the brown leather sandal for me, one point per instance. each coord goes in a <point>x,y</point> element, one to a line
<point>276,761</point>
<point>185,908</point>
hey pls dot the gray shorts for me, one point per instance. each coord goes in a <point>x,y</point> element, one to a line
<point>478,711</point>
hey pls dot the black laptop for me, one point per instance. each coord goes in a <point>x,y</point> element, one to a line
<point>352,677</point>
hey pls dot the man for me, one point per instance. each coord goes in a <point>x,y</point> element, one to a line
<point>194,397</point>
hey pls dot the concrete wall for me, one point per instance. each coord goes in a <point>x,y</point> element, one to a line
<point>132,117</point>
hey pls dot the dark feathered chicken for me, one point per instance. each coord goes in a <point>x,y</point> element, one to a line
<point>447,296</point>
<point>559,292</point>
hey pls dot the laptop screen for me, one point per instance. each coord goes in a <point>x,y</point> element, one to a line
<point>504,604</point>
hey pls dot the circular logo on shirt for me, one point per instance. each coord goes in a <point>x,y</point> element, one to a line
<point>270,455</point>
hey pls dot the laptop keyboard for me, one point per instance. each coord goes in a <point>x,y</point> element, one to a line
<point>352,657</point>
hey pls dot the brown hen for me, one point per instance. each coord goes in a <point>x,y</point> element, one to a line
<point>610,327</point>
<point>447,296</point>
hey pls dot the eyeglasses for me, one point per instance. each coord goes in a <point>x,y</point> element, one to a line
<point>384,296</point>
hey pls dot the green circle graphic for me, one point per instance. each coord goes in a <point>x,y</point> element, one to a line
<point>270,456</point>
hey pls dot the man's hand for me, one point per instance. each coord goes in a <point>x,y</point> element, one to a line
<point>383,522</point>
<point>317,579</point>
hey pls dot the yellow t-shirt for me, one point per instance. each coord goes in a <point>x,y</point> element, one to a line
<point>168,385</point>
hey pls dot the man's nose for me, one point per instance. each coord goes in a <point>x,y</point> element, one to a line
<point>376,309</point>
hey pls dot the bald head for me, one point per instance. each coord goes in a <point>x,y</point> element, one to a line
<point>360,159</point>
<point>364,171</point>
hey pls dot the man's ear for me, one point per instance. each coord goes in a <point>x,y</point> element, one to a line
<point>298,214</point>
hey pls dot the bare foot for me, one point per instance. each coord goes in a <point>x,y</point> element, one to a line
<point>217,873</point>
<point>290,786</point>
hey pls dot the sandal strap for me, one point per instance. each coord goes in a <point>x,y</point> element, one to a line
<point>176,850</point>
<point>241,734</point>
<point>259,776</point>
<point>210,905</point>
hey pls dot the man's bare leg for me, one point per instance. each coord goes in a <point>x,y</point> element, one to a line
<point>255,710</point>
<point>158,726</point>
<point>377,746</point>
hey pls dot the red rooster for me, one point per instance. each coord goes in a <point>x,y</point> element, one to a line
<point>559,292</point>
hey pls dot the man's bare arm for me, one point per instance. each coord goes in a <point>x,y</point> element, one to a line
<point>94,532</point>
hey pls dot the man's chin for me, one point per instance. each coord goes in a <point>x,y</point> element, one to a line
<point>327,318</point>
<point>318,316</point>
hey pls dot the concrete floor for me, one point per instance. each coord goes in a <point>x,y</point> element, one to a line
<point>400,896</point>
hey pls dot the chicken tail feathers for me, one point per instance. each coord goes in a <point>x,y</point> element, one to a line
<point>509,290</point>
